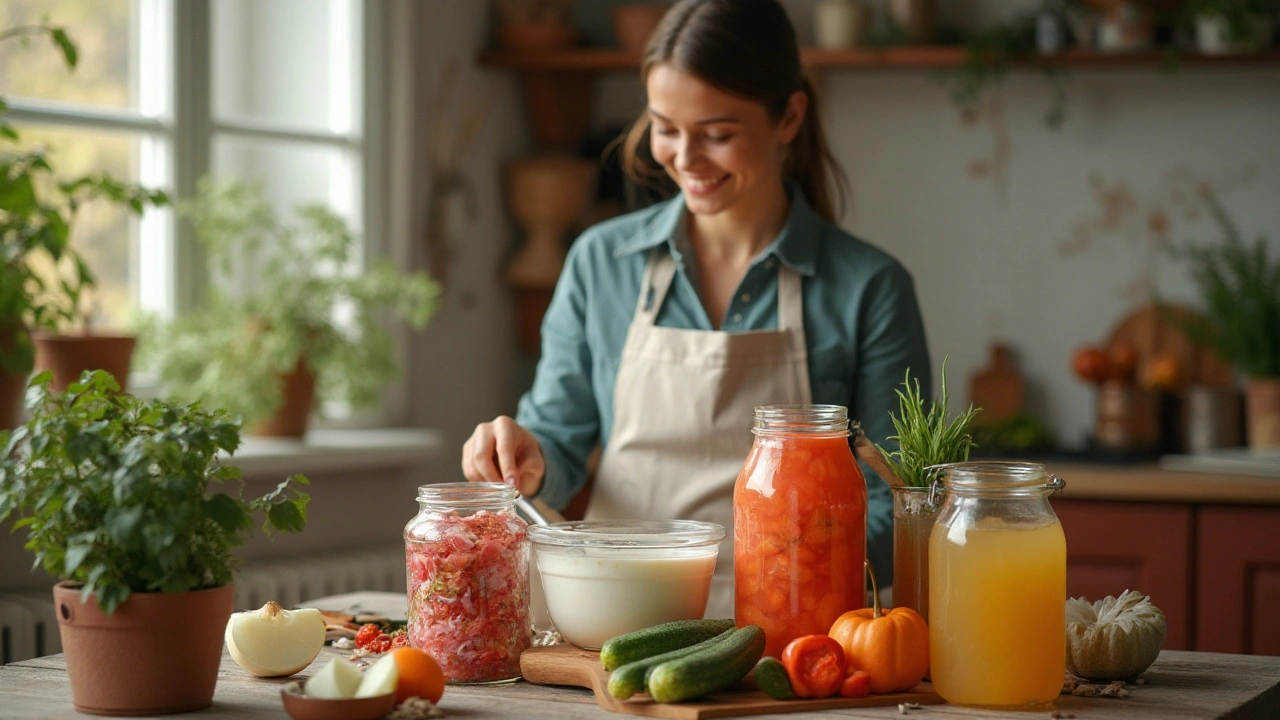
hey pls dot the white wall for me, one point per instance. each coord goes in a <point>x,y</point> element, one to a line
<point>989,264</point>
<point>465,367</point>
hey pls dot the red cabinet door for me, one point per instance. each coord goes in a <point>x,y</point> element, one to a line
<point>1146,547</point>
<point>1238,588</point>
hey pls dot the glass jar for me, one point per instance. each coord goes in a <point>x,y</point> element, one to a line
<point>997,587</point>
<point>467,556</point>
<point>799,524</point>
<point>914,514</point>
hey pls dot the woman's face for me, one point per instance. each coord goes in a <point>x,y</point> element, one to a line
<point>722,150</point>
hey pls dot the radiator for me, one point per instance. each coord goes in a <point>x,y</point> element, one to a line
<point>29,627</point>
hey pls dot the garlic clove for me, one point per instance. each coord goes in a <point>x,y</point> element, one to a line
<point>274,642</point>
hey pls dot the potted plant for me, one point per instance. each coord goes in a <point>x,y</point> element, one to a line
<point>1232,26</point>
<point>1239,285</point>
<point>42,276</point>
<point>118,498</point>
<point>308,328</point>
<point>535,25</point>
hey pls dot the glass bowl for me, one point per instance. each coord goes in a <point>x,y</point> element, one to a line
<point>610,577</point>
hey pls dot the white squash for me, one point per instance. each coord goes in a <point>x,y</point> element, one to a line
<point>338,680</point>
<point>381,679</point>
<point>274,642</point>
<point>1114,638</point>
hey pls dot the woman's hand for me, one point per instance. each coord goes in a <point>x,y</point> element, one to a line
<point>503,452</point>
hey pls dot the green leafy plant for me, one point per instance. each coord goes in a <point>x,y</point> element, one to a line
<point>1239,286</point>
<point>308,305</point>
<point>987,57</point>
<point>115,492</point>
<point>37,215</point>
<point>1239,15</point>
<point>926,437</point>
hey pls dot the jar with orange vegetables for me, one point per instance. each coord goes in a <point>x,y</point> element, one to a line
<point>800,524</point>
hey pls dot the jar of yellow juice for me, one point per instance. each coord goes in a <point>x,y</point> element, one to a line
<point>997,587</point>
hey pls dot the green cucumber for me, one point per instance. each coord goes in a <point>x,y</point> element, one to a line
<point>630,678</point>
<point>659,639</point>
<point>709,670</point>
<point>772,678</point>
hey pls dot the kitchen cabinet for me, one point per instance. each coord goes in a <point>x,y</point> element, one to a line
<point>1112,547</point>
<point>1238,588</point>
<point>1205,547</point>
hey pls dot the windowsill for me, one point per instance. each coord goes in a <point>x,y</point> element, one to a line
<point>337,450</point>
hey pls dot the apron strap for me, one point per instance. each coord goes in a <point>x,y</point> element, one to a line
<point>658,273</point>
<point>790,299</point>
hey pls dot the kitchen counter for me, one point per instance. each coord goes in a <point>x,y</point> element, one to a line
<point>1179,685</point>
<point>1150,483</point>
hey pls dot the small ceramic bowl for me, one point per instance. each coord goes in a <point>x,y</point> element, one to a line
<point>301,707</point>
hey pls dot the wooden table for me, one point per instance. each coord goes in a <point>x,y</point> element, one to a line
<point>1179,685</point>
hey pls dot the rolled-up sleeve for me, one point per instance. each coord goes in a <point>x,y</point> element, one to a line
<point>560,408</point>
<point>891,341</point>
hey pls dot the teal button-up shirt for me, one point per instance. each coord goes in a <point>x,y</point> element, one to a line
<point>862,327</point>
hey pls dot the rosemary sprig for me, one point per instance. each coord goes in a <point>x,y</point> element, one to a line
<point>926,438</point>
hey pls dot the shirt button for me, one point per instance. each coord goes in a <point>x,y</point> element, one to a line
<point>770,263</point>
<point>737,317</point>
<point>746,297</point>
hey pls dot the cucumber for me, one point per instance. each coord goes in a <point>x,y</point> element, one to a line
<point>708,670</point>
<point>772,678</point>
<point>659,639</point>
<point>630,678</point>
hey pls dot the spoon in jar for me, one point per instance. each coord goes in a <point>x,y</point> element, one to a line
<point>530,511</point>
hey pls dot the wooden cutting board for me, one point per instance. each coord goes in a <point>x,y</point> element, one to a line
<point>569,665</point>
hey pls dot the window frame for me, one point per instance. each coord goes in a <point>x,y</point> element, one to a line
<point>382,39</point>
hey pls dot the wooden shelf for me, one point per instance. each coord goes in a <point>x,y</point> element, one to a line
<point>926,56</point>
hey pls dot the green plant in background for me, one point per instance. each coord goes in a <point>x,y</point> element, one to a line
<point>37,215</point>
<point>58,36</point>
<point>1017,434</point>
<point>116,492</point>
<point>926,438</point>
<point>1239,16</point>
<point>306,305</point>
<point>1239,286</point>
<point>988,56</point>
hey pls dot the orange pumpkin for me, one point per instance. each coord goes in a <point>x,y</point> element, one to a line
<point>892,646</point>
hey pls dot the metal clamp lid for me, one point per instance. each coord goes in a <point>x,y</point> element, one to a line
<point>1054,485</point>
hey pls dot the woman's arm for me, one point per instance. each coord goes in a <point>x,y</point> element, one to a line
<point>561,408</point>
<point>892,340</point>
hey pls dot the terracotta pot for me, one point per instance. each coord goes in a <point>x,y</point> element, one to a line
<point>68,356</point>
<point>290,420</point>
<point>634,24</point>
<point>531,305</point>
<point>157,654</point>
<point>13,390</point>
<point>537,37</point>
<point>1262,408</point>
<point>547,196</point>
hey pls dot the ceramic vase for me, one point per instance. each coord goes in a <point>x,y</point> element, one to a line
<point>1262,409</point>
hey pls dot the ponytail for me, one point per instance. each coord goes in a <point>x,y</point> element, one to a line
<point>811,164</point>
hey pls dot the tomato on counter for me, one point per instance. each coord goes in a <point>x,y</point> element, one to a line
<point>815,664</point>
<point>800,508</point>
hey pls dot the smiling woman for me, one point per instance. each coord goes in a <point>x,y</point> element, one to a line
<point>671,324</point>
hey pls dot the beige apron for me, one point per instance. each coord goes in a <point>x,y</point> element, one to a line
<point>683,407</point>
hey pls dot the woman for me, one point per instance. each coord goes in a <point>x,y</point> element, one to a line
<point>669,325</point>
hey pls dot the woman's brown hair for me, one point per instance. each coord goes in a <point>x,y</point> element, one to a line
<point>746,48</point>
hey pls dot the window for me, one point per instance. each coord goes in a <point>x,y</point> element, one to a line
<point>167,91</point>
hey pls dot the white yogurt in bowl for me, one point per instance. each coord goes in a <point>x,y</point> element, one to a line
<point>607,578</point>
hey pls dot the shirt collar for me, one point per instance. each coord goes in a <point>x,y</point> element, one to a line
<point>796,245</point>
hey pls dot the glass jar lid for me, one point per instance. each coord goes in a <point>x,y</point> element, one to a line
<point>464,495</point>
<point>640,535</point>
<point>992,477</point>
